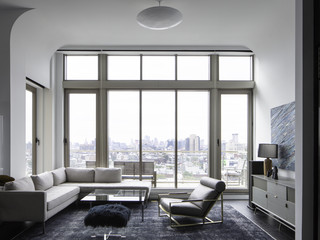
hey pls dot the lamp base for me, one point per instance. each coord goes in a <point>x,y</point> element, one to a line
<point>267,165</point>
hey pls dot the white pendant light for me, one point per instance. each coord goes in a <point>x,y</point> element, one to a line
<point>159,17</point>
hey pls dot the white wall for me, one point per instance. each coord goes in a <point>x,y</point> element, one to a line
<point>7,100</point>
<point>275,73</point>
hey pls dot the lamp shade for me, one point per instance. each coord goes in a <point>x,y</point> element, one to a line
<point>159,18</point>
<point>268,150</point>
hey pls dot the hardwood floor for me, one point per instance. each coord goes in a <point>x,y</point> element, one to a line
<point>264,221</point>
<point>9,230</point>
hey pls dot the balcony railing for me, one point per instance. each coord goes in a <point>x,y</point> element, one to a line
<point>234,168</point>
<point>192,165</point>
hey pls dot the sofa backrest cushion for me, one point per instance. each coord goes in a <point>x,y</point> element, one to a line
<point>108,175</point>
<point>59,176</point>
<point>80,174</point>
<point>209,188</point>
<point>25,184</point>
<point>42,181</point>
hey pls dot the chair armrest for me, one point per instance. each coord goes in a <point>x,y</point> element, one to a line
<point>23,206</point>
<point>160,195</point>
<point>199,200</point>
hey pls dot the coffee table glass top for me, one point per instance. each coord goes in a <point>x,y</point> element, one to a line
<point>116,195</point>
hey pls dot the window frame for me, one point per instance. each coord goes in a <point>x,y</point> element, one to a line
<point>213,85</point>
<point>235,81</point>
<point>249,127</point>
<point>34,142</point>
<point>66,139</point>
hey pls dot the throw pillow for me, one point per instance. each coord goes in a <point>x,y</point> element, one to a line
<point>108,175</point>
<point>25,184</point>
<point>80,174</point>
<point>42,181</point>
<point>59,176</point>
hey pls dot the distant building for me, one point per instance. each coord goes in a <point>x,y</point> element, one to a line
<point>193,143</point>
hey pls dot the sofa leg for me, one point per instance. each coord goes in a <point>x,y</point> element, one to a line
<point>43,228</point>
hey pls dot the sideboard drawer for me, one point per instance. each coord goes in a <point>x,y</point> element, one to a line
<point>277,190</point>
<point>277,206</point>
<point>290,212</point>
<point>259,197</point>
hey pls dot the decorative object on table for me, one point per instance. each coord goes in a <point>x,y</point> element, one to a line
<point>114,215</point>
<point>275,173</point>
<point>268,151</point>
<point>269,174</point>
<point>159,17</point>
<point>4,179</point>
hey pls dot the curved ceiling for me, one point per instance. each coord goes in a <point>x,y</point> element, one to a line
<point>50,25</point>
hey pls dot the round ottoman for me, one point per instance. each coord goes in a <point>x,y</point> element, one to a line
<point>114,215</point>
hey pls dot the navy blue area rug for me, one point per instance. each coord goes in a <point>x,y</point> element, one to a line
<point>69,224</point>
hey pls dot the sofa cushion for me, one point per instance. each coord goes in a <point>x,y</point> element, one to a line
<point>42,181</point>
<point>181,208</point>
<point>216,184</point>
<point>59,176</point>
<point>58,195</point>
<point>25,184</point>
<point>203,192</point>
<point>80,174</point>
<point>108,175</point>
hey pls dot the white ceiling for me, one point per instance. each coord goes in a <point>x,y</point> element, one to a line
<point>113,22</point>
<point>53,24</point>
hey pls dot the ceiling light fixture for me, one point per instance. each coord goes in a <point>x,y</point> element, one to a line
<point>159,17</point>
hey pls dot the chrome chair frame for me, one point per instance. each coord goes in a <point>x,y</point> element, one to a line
<point>205,219</point>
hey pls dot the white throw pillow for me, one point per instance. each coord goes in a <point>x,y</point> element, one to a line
<point>42,181</point>
<point>59,176</point>
<point>25,184</point>
<point>80,174</point>
<point>108,175</point>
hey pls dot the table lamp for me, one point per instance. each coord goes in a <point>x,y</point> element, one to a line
<point>268,151</point>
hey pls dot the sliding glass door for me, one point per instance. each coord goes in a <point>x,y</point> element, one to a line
<point>234,139</point>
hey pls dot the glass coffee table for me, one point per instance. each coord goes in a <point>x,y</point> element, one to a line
<point>117,195</point>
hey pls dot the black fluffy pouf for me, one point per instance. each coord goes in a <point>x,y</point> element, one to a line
<point>114,215</point>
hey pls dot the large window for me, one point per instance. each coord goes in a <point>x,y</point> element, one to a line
<point>81,127</point>
<point>156,116</point>
<point>123,128</point>
<point>158,134</point>
<point>178,155</point>
<point>131,64</point>
<point>234,139</point>
<point>235,68</point>
<point>193,68</point>
<point>161,68</point>
<point>193,133</point>
<point>31,114</point>
<point>81,68</point>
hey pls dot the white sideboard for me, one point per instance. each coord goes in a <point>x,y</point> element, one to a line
<point>275,197</point>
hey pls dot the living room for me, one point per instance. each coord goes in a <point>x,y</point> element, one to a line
<point>38,42</point>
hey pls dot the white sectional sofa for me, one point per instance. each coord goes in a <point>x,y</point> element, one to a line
<point>39,197</point>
